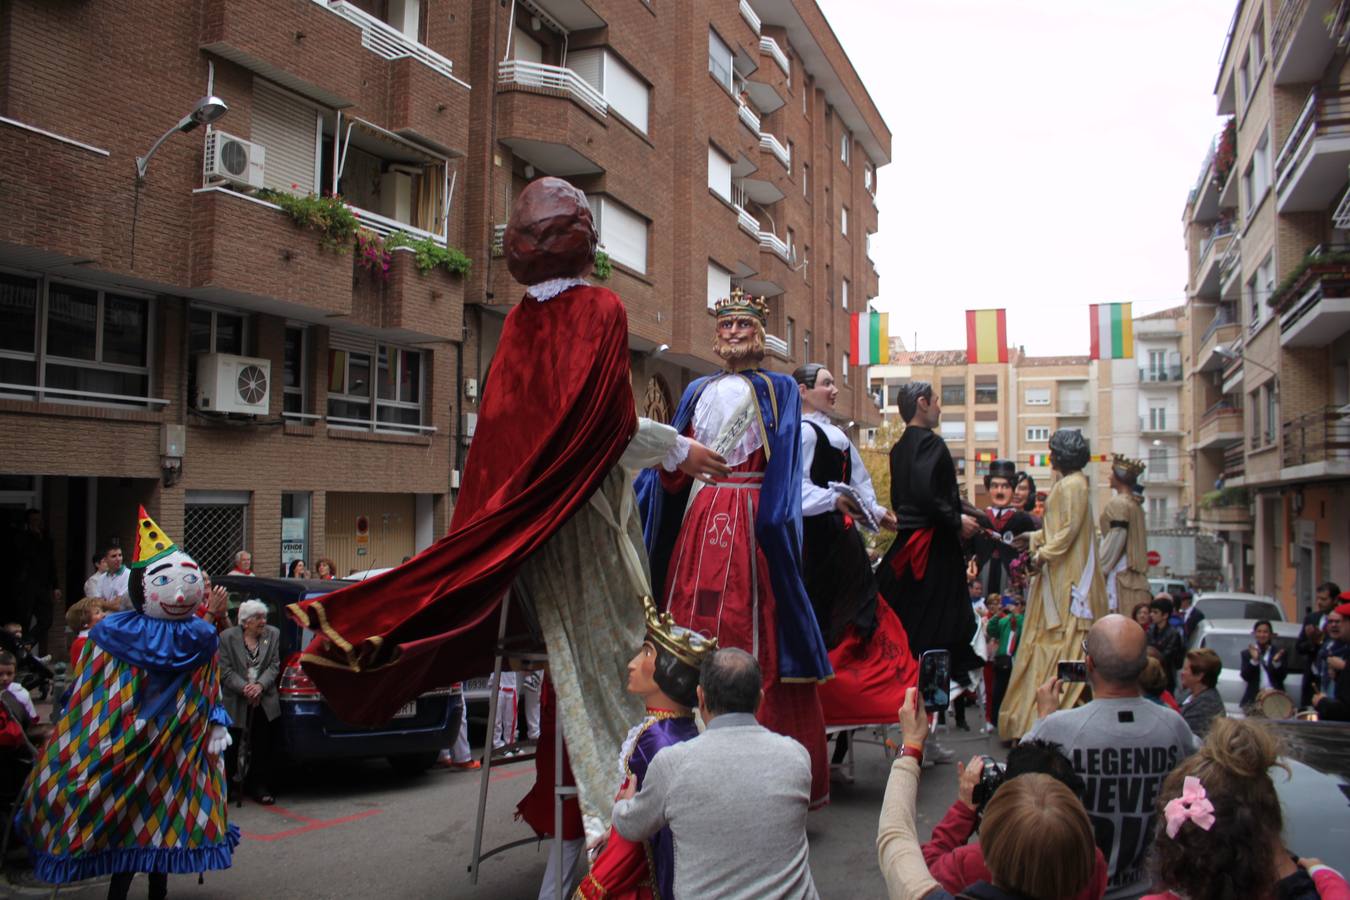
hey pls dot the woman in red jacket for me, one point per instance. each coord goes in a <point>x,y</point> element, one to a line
<point>957,864</point>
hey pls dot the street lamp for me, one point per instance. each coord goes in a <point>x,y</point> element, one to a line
<point>1231,355</point>
<point>208,109</point>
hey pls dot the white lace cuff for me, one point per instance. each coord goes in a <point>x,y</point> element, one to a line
<point>677,454</point>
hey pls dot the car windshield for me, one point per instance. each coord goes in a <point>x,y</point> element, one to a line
<point>1234,608</point>
<point>1231,647</point>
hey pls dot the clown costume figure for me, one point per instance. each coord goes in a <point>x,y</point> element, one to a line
<point>132,778</point>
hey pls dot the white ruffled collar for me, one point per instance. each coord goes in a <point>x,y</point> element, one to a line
<point>547,290</point>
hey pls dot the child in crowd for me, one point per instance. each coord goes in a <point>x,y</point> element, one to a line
<point>14,696</point>
<point>81,617</point>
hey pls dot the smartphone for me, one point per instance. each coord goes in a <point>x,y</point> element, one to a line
<point>935,679</point>
<point>1070,670</point>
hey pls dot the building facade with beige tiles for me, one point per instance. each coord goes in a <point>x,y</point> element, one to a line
<point>1269,354</point>
<point>172,338</point>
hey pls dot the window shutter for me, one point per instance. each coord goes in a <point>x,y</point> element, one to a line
<point>288,129</point>
<point>626,94</point>
<point>719,287</point>
<point>719,173</point>
<point>524,47</point>
<point>624,234</point>
<point>589,64</point>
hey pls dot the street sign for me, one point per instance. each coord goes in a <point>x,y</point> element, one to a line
<point>1154,558</point>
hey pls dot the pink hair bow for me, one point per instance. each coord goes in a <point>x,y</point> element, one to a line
<point>1192,806</point>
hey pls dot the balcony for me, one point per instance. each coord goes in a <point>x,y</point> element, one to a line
<point>1166,375</point>
<point>1220,426</point>
<point>250,33</point>
<point>748,116</point>
<point>1314,308</point>
<point>1317,445</point>
<point>1230,269</point>
<point>775,146</point>
<point>1074,410</point>
<point>1222,331</point>
<point>748,223</point>
<point>1212,248</point>
<point>776,345</point>
<point>1234,462</point>
<point>553,81</point>
<point>233,235</point>
<point>1300,42</point>
<point>1204,197</point>
<point>750,17</point>
<point>769,46</point>
<point>386,41</point>
<point>1311,166</point>
<point>409,305</point>
<point>774,244</point>
<point>1158,427</point>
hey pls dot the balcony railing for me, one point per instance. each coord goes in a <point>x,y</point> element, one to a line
<point>749,15</point>
<point>1222,408</point>
<point>1220,229</point>
<point>775,146</point>
<point>749,224</point>
<point>770,241</point>
<point>1234,462</point>
<point>749,117</point>
<point>1225,316</point>
<point>1288,17</point>
<point>1168,374</point>
<point>775,344</point>
<point>554,78</point>
<point>385,226</point>
<point>1318,437</point>
<point>385,40</point>
<point>770,46</point>
<point>1232,257</point>
<point>1323,113</point>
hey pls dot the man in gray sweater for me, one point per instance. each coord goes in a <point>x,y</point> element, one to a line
<point>735,797</point>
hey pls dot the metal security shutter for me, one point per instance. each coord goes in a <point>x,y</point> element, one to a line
<point>213,533</point>
<point>288,128</point>
<point>589,64</point>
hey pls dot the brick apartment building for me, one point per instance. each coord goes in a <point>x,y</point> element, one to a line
<point>1269,357</point>
<point>130,306</point>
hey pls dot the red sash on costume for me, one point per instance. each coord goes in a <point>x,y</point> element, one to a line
<point>914,555</point>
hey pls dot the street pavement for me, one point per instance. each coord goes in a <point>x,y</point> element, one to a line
<point>360,830</point>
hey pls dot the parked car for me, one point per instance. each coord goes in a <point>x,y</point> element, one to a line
<point>1230,638</point>
<point>310,730</point>
<point>365,574</point>
<point>1174,587</point>
<point>1316,814</point>
<point>1233,605</point>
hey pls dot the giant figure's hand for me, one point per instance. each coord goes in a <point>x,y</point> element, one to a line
<point>703,464</point>
<point>888,521</point>
<point>970,526</point>
<point>220,739</point>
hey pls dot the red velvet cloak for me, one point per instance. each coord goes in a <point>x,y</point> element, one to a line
<point>557,414</point>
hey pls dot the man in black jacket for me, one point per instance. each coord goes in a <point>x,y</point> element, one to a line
<point>1332,700</point>
<point>1314,632</point>
<point>1263,665</point>
<point>1166,638</point>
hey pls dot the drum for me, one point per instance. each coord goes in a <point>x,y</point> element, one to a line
<point>1273,704</point>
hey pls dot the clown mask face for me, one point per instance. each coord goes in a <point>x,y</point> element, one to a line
<point>174,587</point>
<point>1000,492</point>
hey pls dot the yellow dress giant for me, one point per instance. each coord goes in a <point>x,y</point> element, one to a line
<point>1123,553</point>
<point>1066,596</point>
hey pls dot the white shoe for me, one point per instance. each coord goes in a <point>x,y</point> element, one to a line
<point>988,728</point>
<point>937,753</point>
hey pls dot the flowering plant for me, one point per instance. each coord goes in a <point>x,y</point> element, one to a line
<point>1226,155</point>
<point>372,253</point>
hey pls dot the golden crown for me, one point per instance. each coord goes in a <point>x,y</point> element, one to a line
<point>742,304</point>
<point>689,647</point>
<point>1131,467</point>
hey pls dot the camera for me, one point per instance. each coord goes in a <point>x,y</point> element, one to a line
<point>991,776</point>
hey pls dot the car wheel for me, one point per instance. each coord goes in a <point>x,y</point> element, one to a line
<point>414,763</point>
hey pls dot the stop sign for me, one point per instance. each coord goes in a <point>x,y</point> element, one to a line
<point>1154,558</point>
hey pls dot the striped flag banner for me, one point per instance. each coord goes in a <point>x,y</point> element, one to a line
<point>1043,459</point>
<point>869,338</point>
<point>1112,331</point>
<point>986,335</point>
<point>986,457</point>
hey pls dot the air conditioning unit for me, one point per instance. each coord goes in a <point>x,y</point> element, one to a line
<point>234,160</point>
<point>233,384</point>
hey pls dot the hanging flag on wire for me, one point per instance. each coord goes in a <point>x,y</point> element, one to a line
<point>1043,459</point>
<point>986,335</point>
<point>869,338</point>
<point>1112,331</point>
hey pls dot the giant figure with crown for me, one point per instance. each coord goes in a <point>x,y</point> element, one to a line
<point>131,780</point>
<point>728,554</point>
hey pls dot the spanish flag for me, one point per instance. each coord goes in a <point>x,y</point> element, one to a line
<point>1112,331</point>
<point>986,335</point>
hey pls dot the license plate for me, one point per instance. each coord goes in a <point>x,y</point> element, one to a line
<point>407,710</point>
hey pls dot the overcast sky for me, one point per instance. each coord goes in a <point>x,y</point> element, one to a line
<point>1041,155</point>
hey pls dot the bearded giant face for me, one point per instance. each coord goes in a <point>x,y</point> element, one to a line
<point>740,339</point>
<point>170,588</point>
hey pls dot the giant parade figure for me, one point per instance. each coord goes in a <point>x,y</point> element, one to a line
<point>1067,593</point>
<point>132,779</point>
<point>1002,520</point>
<point>868,647</point>
<point>545,510</point>
<point>1124,542</point>
<point>729,553</point>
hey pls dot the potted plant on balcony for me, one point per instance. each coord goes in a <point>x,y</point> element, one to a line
<point>329,216</point>
<point>1317,265</point>
<point>1226,154</point>
<point>428,254</point>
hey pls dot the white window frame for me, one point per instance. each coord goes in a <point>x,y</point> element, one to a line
<point>989,431</point>
<point>715,46</point>
<point>843,220</point>
<point>843,293</point>
<point>42,359</point>
<point>806,180</point>
<point>1157,418</point>
<point>619,81</point>
<point>845,147</point>
<point>845,365</point>
<point>717,163</point>
<point>371,350</point>
<point>869,177</point>
<point>1038,434</point>
<point>1038,399</point>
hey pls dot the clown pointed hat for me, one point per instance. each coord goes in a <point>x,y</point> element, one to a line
<point>151,542</point>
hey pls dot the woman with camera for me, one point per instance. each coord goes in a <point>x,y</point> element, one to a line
<point>1035,837</point>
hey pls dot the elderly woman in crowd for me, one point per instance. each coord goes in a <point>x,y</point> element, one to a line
<point>1200,676</point>
<point>1035,836</point>
<point>1220,826</point>
<point>250,663</point>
